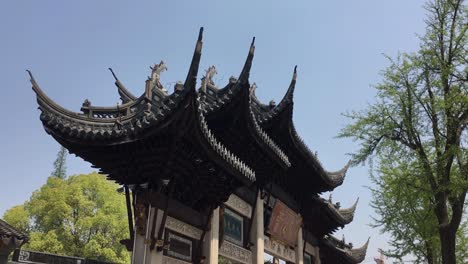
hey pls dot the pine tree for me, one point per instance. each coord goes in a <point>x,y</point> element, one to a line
<point>60,168</point>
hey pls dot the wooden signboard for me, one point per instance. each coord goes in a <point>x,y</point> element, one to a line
<point>284,224</point>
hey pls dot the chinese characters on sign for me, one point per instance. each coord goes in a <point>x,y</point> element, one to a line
<point>284,224</point>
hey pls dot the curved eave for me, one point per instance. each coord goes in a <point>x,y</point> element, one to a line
<point>231,162</point>
<point>235,164</point>
<point>352,255</point>
<point>266,114</point>
<point>71,126</point>
<point>222,98</point>
<point>331,179</point>
<point>264,139</point>
<point>344,216</point>
<point>283,114</point>
<point>125,95</point>
<point>236,92</point>
<point>331,216</point>
<point>142,113</point>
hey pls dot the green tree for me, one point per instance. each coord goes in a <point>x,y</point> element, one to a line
<point>420,119</point>
<point>60,168</point>
<point>18,216</point>
<point>81,216</point>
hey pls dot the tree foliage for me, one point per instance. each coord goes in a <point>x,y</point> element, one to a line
<point>60,167</point>
<point>81,216</point>
<point>417,130</point>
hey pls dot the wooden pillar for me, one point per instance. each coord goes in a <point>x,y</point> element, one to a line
<point>139,238</point>
<point>211,242</point>
<point>4,257</point>
<point>154,256</point>
<point>142,254</point>
<point>258,233</point>
<point>300,248</point>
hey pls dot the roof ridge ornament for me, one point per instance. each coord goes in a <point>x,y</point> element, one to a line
<point>208,78</point>
<point>253,88</point>
<point>156,71</point>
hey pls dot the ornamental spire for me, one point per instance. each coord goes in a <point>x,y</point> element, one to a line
<point>191,80</point>
<point>244,76</point>
<point>288,97</point>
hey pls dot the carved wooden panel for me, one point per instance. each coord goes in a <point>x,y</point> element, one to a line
<point>169,260</point>
<point>277,249</point>
<point>239,205</point>
<point>229,250</point>
<point>183,228</point>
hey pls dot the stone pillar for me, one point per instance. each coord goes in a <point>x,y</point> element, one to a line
<point>300,248</point>
<point>211,241</point>
<point>258,233</point>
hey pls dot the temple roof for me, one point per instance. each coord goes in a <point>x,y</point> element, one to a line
<point>156,130</point>
<point>220,131</point>
<point>265,120</point>
<point>334,250</point>
<point>10,237</point>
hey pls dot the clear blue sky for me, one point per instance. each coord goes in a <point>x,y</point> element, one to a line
<point>69,45</point>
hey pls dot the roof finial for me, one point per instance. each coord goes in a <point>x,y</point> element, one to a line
<point>244,76</point>
<point>30,75</point>
<point>252,46</point>
<point>295,73</point>
<point>200,34</point>
<point>113,74</point>
<point>191,80</point>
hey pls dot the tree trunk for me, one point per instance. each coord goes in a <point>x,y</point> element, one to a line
<point>447,243</point>
<point>429,254</point>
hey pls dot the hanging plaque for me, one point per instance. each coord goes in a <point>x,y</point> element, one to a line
<point>233,227</point>
<point>284,224</point>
